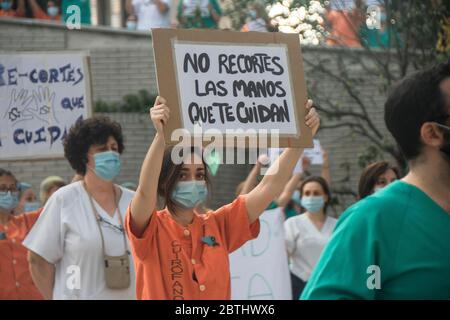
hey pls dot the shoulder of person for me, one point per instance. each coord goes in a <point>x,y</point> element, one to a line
<point>386,206</point>
<point>67,194</point>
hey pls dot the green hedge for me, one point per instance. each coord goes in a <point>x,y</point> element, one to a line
<point>139,103</point>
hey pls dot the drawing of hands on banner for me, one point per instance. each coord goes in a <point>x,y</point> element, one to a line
<point>18,103</point>
<point>24,107</point>
<point>44,105</point>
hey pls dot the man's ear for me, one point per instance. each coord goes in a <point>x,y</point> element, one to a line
<point>431,135</point>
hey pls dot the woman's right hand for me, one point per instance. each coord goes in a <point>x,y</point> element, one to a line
<point>159,114</point>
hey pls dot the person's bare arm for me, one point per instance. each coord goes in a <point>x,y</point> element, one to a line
<point>278,174</point>
<point>145,198</point>
<point>326,167</point>
<point>286,195</point>
<point>162,6</point>
<point>21,8</point>
<point>129,7</point>
<point>252,178</point>
<point>214,14</point>
<point>42,273</point>
<point>35,8</point>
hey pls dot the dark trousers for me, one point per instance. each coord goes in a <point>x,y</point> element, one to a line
<point>297,286</point>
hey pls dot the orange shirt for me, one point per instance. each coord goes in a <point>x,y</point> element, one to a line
<point>9,13</point>
<point>345,27</point>
<point>40,14</point>
<point>15,277</point>
<point>172,262</point>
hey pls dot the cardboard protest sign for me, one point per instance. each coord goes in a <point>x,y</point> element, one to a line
<point>41,96</point>
<point>232,83</point>
<point>259,269</point>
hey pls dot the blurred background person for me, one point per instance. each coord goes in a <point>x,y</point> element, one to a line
<point>49,186</point>
<point>344,18</point>
<point>131,23</point>
<point>202,14</point>
<point>307,234</point>
<point>375,177</point>
<point>150,13</point>
<point>15,277</point>
<point>9,8</point>
<point>28,200</point>
<point>258,19</point>
<point>82,223</point>
<point>50,13</point>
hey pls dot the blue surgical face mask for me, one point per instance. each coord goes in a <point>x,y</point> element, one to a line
<point>6,5</point>
<point>313,204</point>
<point>188,194</point>
<point>52,11</point>
<point>8,200</point>
<point>107,165</point>
<point>296,197</point>
<point>253,14</point>
<point>31,206</point>
<point>131,25</point>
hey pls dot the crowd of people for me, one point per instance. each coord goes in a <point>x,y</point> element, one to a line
<point>94,239</point>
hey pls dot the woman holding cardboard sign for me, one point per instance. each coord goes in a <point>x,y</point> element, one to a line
<point>178,253</point>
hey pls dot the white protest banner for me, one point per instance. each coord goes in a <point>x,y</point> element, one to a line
<point>233,84</point>
<point>314,154</point>
<point>41,96</point>
<point>259,269</point>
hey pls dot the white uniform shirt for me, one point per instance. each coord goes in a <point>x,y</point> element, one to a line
<point>304,243</point>
<point>149,16</point>
<point>66,234</point>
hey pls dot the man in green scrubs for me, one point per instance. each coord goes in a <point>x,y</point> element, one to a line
<point>395,244</point>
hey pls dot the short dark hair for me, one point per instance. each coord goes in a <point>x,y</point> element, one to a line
<point>170,174</point>
<point>415,100</point>
<point>370,175</point>
<point>88,132</point>
<point>4,172</point>
<point>324,185</point>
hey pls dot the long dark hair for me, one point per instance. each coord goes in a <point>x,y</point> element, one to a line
<point>170,175</point>
<point>370,175</point>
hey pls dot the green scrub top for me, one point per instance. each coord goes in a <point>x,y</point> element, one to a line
<point>199,22</point>
<point>399,230</point>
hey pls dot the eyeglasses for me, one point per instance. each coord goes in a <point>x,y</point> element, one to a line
<point>5,189</point>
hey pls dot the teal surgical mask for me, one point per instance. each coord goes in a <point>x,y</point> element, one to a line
<point>31,206</point>
<point>52,11</point>
<point>8,200</point>
<point>297,198</point>
<point>313,204</point>
<point>188,194</point>
<point>6,5</point>
<point>131,25</point>
<point>107,165</point>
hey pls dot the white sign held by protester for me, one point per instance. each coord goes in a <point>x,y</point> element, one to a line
<point>315,153</point>
<point>220,97</point>
<point>41,96</point>
<point>259,269</point>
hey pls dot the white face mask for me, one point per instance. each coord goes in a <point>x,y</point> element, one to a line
<point>376,189</point>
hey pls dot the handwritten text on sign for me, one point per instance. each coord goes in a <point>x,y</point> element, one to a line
<point>235,87</point>
<point>259,269</point>
<point>41,97</point>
